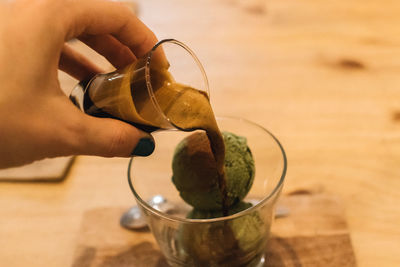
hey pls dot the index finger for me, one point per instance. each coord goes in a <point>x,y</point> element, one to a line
<point>95,17</point>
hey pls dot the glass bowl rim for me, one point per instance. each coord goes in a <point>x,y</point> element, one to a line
<point>275,191</point>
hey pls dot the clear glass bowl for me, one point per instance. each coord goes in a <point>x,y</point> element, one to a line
<point>236,240</point>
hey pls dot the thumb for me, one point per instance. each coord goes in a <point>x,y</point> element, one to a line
<point>113,138</point>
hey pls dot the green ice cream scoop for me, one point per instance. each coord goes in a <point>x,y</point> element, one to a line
<point>195,173</point>
<point>227,243</point>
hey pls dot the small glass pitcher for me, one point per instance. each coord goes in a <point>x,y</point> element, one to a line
<point>128,94</point>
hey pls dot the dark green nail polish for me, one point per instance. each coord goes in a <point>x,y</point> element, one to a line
<point>144,147</point>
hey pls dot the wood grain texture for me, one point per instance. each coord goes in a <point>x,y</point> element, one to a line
<point>47,170</point>
<point>314,234</point>
<point>321,75</point>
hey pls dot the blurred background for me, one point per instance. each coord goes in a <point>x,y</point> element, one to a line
<point>323,76</point>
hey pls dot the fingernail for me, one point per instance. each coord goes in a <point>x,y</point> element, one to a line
<point>144,147</point>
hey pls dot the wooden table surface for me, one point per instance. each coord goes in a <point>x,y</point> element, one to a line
<point>323,76</point>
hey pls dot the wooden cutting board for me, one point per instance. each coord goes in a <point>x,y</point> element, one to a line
<point>47,170</point>
<point>314,234</point>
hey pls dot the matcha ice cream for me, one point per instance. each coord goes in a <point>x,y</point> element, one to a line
<point>226,243</point>
<point>235,242</point>
<point>205,214</point>
<point>195,171</point>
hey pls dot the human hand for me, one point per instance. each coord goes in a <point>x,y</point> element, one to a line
<point>37,120</point>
